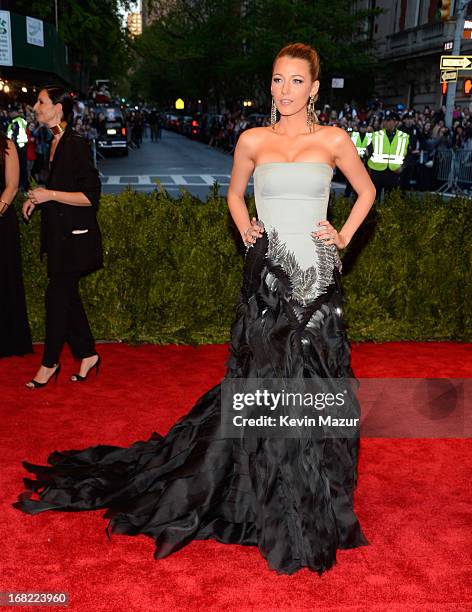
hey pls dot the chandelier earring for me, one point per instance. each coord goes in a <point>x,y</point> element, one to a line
<point>273,113</point>
<point>311,117</point>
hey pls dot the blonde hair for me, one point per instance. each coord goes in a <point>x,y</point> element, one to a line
<point>302,51</point>
<point>306,52</point>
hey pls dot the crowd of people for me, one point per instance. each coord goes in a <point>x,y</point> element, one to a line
<point>427,129</point>
<point>429,122</point>
<point>33,139</point>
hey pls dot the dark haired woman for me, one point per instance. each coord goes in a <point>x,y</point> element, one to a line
<point>290,493</point>
<point>15,336</point>
<point>69,235</point>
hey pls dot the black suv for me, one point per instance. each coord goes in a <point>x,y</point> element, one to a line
<point>112,130</point>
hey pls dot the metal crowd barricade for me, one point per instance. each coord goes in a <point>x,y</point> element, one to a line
<point>464,168</point>
<point>454,167</point>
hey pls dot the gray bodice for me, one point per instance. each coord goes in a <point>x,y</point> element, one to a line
<point>291,197</point>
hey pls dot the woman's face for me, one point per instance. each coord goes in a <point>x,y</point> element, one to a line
<point>46,111</point>
<point>292,85</point>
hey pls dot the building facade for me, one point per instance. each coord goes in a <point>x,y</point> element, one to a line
<point>134,22</point>
<point>152,10</point>
<point>409,38</point>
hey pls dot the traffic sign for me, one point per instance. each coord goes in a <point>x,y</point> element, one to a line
<point>447,76</point>
<point>459,62</point>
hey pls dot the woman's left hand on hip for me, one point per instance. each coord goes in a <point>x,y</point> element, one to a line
<point>329,235</point>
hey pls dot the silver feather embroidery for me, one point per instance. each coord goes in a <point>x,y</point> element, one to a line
<point>307,284</point>
<point>318,317</point>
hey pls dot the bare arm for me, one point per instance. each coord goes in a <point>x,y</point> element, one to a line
<point>12,176</point>
<point>243,167</point>
<point>40,195</point>
<point>348,161</point>
<point>73,198</point>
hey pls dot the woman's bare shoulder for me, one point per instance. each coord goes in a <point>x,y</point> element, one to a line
<point>250,141</point>
<point>335,138</point>
<point>254,135</point>
<point>10,148</point>
<point>333,132</point>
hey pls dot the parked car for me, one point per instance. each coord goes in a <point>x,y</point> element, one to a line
<point>112,131</point>
<point>185,125</point>
<point>195,126</point>
<point>172,122</point>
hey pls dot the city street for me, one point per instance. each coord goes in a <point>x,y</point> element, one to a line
<point>176,161</point>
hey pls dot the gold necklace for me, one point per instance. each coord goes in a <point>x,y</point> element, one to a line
<point>59,128</point>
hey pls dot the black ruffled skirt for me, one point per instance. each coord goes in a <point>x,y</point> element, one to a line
<point>292,498</point>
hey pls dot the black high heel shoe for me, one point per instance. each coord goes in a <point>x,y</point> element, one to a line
<point>96,366</point>
<point>34,384</point>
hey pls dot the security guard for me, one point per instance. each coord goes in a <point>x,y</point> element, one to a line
<point>386,154</point>
<point>410,164</point>
<point>16,131</point>
<point>361,139</point>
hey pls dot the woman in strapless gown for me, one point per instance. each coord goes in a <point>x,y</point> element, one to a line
<point>290,497</point>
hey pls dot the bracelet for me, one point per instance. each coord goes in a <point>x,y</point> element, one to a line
<point>6,206</point>
<point>248,245</point>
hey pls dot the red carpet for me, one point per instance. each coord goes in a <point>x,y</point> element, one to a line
<point>414,496</point>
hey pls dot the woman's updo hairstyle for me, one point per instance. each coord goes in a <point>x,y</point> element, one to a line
<point>59,95</point>
<point>306,52</point>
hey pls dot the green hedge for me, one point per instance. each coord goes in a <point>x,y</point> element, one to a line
<point>173,270</point>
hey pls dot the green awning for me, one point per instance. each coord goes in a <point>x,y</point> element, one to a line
<point>44,54</point>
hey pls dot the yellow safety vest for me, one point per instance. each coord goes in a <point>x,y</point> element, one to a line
<point>361,144</point>
<point>388,154</point>
<point>22,137</point>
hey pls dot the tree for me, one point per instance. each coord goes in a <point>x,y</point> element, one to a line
<point>224,50</point>
<point>92,30</point>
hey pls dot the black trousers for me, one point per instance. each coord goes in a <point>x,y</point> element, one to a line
<point>408,174</point>
<point>66,320</point>
<point>385,181</point>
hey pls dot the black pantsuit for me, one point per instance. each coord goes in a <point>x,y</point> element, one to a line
<point>70,236</point>
<point>66,320</point>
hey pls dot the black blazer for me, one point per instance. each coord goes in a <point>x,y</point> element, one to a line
<point>70,235</point>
